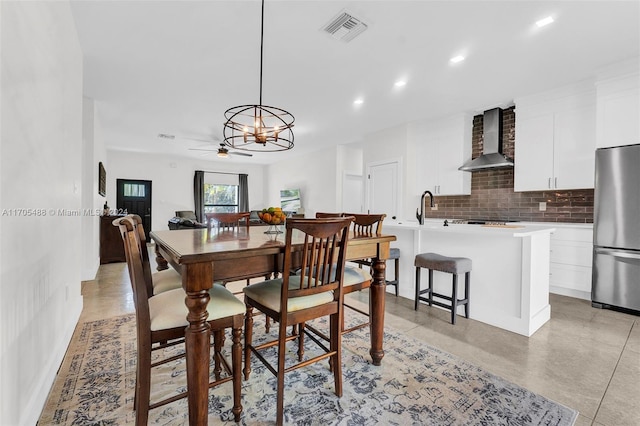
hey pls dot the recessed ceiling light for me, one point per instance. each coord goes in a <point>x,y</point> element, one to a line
<point>544,21</point>
<point>456,59</point>
<point>358,101</point>
<point>400,83</point>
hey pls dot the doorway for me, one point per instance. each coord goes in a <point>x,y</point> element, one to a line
<point>134,197</point>
<point>383,188</point>
<point>352,193</point>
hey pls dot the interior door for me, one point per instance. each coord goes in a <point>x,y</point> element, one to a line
<point>383,189</point>
<point>134,197</point>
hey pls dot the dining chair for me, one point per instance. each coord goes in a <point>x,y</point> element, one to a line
<point>294,299</point>
<point>168,279</point>
<point>232,222</point>
<point>364,225</point>
<point>161,321</point>
<point>355,278</point>
<point>228,221</point>
<point>323,215</point>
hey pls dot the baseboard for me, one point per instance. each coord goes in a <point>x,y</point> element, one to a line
<point>49,372</point>
<point>577,294</point>
<point>89,273</point>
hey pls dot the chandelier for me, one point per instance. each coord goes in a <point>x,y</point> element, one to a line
<point>258,127</point>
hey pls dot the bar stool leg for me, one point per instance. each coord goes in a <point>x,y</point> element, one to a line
<point>417,300</point>
<point>430,287</point>
<point>396,274</point>
<point>467,278</point>
<point>454,299</point>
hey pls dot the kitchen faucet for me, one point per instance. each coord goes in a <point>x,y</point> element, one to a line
<point>420,215</point>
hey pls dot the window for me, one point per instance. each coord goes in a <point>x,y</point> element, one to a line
<point>220,198</point>
<point>134,190</point>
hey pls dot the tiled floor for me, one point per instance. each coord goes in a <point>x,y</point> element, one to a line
<point>585,358</point>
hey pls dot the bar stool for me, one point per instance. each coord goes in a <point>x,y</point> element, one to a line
<point>394,253</point>
<point>451,265</point>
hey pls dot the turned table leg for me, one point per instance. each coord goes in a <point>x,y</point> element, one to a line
<point>376,310</point>
<point>197,279</point>
<point>161,261</point>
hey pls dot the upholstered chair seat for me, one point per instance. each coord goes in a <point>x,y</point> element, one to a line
<point>166,280</point>
<point>167,309</point>
<point>352,276</point>
<point>267,293</point>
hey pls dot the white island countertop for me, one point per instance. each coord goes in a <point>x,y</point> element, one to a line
<point>510,274</point>
<point>516,229</point>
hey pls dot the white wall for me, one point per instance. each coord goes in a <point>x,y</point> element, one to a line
<point>40,169</point>
<point>349,160</point>
<point>93,152</point>
<point>314,174</point>
<point>172,181</point>
<point>391,145</point>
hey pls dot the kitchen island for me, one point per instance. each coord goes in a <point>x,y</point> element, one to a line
<point>510,277</point>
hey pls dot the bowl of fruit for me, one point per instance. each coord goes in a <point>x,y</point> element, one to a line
<point>273,216</point>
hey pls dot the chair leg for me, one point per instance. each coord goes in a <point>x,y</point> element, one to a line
<point>248,336</point>
<point>236,363</point>
<point>336,345</point>
<point>454,299</point>
<point>417,300</point>
<point>300,331</point>
<point>282,350</point>
<point>143,385</point>
<point>218,338</point>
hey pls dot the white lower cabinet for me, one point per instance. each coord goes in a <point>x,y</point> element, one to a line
<point>570,261</point>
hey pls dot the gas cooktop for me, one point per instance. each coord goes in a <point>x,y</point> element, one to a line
<point>482,221</point>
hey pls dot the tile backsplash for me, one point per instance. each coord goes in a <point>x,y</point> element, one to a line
<point>492,195</point>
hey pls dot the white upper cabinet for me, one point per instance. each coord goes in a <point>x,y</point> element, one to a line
<point>618,114</point>
<point>555,140</point>
<point>441,147</point>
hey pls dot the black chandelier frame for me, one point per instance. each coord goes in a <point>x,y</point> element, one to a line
<point>259,128</point>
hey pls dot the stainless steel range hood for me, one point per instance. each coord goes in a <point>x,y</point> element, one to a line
<point>492,156</point>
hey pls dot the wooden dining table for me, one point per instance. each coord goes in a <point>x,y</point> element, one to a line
<point>203,256</point>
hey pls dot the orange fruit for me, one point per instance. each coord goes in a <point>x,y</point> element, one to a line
<point>266,217</point>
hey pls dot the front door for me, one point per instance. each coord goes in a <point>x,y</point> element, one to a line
<point>134,197</point>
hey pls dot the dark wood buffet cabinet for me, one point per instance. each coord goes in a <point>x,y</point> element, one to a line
<point>111,246</point>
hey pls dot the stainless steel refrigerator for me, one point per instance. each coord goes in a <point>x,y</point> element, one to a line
<point>616,228</point>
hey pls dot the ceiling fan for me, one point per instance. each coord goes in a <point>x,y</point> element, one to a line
<point>223,151</point>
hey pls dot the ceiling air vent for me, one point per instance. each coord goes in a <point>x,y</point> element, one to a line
<point>345,27</point>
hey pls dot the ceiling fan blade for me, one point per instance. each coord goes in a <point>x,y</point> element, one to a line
<point>202,149</point>
<point>240,153</point>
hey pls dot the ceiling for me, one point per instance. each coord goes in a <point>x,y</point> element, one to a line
<point>174,67</point>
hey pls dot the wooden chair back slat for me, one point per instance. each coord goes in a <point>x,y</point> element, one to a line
<point>324,242</point>
<point>367,224</point>
<point>139,283</point>
<point>228,221</point>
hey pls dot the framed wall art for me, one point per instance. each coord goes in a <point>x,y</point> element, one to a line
<point>102,180</point>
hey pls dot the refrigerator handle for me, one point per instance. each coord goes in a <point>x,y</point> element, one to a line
<point>616,253</point>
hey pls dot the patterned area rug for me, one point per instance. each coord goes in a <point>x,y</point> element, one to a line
<point>416,384</point>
